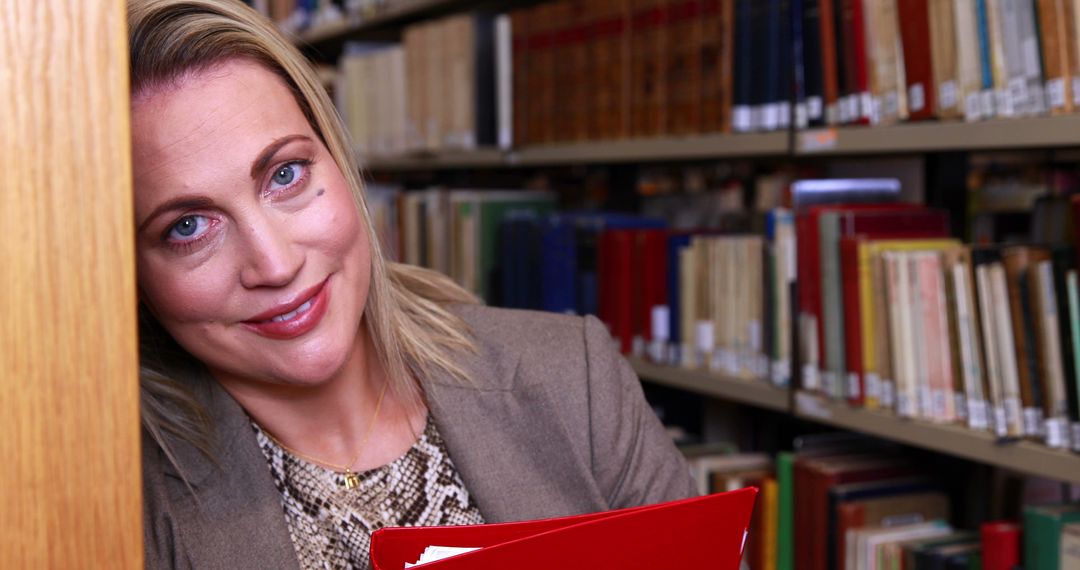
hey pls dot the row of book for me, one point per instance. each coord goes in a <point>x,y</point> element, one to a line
<point>894,314</point>
<point>436,90</point>
<point>871,303</point>
<point>851,506</point>
<point>573,70</point>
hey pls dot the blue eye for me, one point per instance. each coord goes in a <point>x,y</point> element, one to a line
<point>286,175</point>
<point>189,228</point>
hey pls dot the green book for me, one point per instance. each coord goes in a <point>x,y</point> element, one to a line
<point>785,526</point>
<point>1042,534</point>
<point>832,305</point>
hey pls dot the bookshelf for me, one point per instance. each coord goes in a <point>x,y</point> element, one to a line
<point>1021,456</point>
<point>998,134</point>
<point>751,392</point>
<point>703,147</point>
<point>393,15</point>
<point>910,138</point>
<point>946,136</point>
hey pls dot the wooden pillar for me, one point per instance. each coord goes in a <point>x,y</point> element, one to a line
<point>70,490</point>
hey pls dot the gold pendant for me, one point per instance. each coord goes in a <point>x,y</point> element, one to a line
<point>351,480</point>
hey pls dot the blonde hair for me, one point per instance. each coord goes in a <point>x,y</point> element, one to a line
<point>414,333</point>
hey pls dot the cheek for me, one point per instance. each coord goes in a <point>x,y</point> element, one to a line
<point>179,297</point>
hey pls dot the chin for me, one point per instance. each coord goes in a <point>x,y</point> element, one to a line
<point>313,369</point>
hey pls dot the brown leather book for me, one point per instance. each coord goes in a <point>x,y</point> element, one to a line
<point>542,28</point>
<point>519,26</point>
<point>571,71</point>
<point>945,59</point>
<point>1053,39</point>
<point>684,33</point>
<point>1018,260</point>
<point>648,91</point>
<point>830,80</point>
<point>610,61</point>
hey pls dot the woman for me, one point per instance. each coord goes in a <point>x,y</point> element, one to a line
<point>299,391</point>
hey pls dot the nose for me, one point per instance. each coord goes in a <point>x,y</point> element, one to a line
<point>271,258</point>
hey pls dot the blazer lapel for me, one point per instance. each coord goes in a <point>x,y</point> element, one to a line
<point>235,519</point>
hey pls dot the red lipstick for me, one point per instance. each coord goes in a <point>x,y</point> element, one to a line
<point>293,318</point>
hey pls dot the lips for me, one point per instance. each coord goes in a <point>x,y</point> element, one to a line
<point>293,318</point>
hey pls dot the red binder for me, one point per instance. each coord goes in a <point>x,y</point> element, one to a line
<point>703,532</point>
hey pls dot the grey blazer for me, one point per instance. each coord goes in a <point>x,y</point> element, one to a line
<point>552,424</point>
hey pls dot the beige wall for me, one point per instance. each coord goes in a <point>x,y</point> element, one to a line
<point>69,456</point>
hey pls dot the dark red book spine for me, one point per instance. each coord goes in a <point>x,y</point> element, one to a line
<point>851,280</point>
<point>918,65</point>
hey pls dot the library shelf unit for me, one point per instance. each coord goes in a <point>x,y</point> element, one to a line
<point>393,15</point>
<point>703,147</point>
<point>942,136</point>
<point>1054,132</point>
<point>757,393</point>
<point>1018,455</point>
<point>945,136</point>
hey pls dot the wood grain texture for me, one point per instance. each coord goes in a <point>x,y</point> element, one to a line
<point>69,423</point>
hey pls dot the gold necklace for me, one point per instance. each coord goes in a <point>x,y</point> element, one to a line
<point>351,479</point>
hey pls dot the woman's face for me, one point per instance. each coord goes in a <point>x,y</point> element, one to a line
<point>250,250</point>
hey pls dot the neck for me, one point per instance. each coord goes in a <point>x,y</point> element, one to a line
<point>331,420</point>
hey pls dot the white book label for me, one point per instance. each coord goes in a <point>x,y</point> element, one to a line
<point>873,386</point>
<point>917,97</point>
<point>814,108</point>
<point>948,95</point>
<point>888,394</point>
<point>1001,424</point>
<point>853,389</point>
<point>810,380</point>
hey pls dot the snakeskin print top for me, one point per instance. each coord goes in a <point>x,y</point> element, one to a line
<point>331,526</point>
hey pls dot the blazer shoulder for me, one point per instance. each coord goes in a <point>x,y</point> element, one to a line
<point>515,346</point>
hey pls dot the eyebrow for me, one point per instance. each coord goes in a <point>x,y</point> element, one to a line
<point>268,153</point>
<point>180,203</point>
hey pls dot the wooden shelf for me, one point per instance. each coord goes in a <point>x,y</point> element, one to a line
<point>758,393</point>
<point>450,160</point>
<point>997,134</point>
<point>604,152</point>
<point>654,149</point>
<point>1002,134</point>
<point>399,11</point>
<point>1023,456</point>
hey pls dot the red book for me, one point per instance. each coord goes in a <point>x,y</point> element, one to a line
<point>1001,545</point>
<point>918,65</point>
<point>702,532</point>
<point>652,253</point>
<point>616,284</point>
<point>856,74</point>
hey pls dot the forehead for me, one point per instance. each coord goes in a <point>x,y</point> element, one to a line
<point>213,122</point>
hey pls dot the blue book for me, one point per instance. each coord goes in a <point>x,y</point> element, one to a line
<point>567,254</point>
<point>985,61</point>
<point>517,272</point>
<point>558,264</point>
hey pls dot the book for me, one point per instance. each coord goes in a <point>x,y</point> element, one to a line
<point>691,533</point>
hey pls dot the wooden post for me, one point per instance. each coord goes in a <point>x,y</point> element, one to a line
<point>70,487</point>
